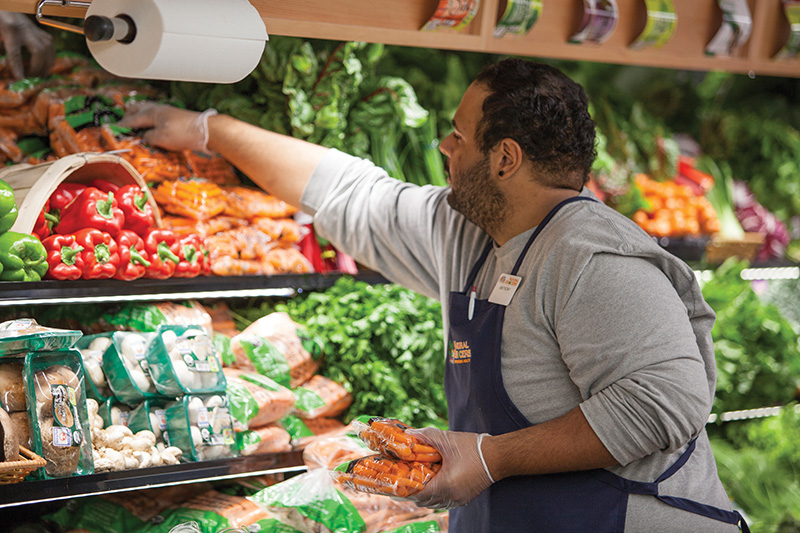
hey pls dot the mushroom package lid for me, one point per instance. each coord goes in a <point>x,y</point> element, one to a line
<point>60,430</point>
<point>23,335</point>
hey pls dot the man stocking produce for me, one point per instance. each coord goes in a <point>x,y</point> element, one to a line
<point>579,363</point>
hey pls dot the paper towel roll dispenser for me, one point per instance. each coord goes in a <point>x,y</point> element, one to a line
<point>216,41</point>
<point>121,28</point>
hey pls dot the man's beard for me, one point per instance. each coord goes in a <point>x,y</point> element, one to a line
<point>475,195</point>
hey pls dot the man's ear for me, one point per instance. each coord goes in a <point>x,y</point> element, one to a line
<point>507,158</point>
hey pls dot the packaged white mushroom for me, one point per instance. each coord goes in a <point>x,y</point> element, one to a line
<point>92,348</point>
<point>114,413</point>
<point>60,422</point>
<point>183,360</point>
<point>23,335</point>
<point>119,447</point>
<point>126,368</point>
<point>201,426</point>
<point>150,415</point>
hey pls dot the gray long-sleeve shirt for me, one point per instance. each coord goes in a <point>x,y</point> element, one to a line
<point>604,319</point>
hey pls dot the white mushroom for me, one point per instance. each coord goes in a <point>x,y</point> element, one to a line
<point>143,458</point>
<point>100,344</point>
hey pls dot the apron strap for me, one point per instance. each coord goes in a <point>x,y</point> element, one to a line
<point>543,223</point>
<point>474,272</point>
<point>709,511</point>
<point>679,463</point>
<point>641,487</point>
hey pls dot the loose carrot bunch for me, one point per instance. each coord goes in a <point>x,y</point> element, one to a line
<point>378,474</point>
<point>388,436</point>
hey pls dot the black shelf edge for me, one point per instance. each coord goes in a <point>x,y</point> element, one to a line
<point>106,290</point>
<point>41,491</point>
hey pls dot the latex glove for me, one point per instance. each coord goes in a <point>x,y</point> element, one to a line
<point>18,32</point>
<point>171,128</point>
<point>463,475</point>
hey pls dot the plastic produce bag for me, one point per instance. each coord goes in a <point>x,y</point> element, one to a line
<point>150,415</point>
<point>126,368</point>
<point>265,439</point>
<point>311,502</point>
<point>147,317</point>
<point>300,351</point>
<point>330,452</point>
<point>303,432</point>
<point>256,400</point>
<point>321,397</point>
<point>382,513</point>
<point>182,360</point>
<point>388,436</point>
<point>26,335</point>
<point>92,348</point>
<point>214,511</point>
<point>57,410</point>
<point>379,474</point>
<point>201,427</point>
<point>114,413</point>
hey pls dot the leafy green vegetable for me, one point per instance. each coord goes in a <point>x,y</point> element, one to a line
<point>721,197</point>
<point>329,93</point>
<point>760,470</point>
<point>383,342</point>
<point>758,362</point>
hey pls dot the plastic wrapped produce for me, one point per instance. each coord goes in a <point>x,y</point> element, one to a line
<point>256,400</point>
<point>126,367</point>
<point>182,360</point>
<point>300,351</point>
<point>388,436</point>
<point>201,427</point>
<point>265,439</point>
<point>321,397</point>
<point>58,414</point>
<point>379,474</point>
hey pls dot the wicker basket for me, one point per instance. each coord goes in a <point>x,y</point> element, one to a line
<point>33,184</point>
<point>16,471</point>
<point>719,249</point>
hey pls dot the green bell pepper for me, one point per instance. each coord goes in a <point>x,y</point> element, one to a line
<point>23,257</point>
<point>8,207</point>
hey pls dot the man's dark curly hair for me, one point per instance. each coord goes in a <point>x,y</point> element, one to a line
<point>545,112</point>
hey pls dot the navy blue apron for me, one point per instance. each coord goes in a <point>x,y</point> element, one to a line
<point>584,501</point>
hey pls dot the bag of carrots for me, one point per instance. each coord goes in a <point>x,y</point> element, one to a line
<point>379,474</point>
<point>388,436</point>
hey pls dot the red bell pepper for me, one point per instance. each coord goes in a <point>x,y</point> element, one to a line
<point>163,248</point>
<point>64,259</point>
<point>64,194</point>
<point>104,185</point>
<point>132,256</point>
<point>191,256</point>
<point>100,257</point>
<point>204,255</point>
<point>138,213</point>
<point>93,208</point>
<point>43,226</point>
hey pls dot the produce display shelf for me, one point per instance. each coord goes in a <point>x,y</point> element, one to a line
<point>110,290</point>
<point>41,491</point>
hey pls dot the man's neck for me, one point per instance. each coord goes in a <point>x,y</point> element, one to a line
<point>529,212</point>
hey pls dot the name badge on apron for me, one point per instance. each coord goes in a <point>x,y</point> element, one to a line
<point>504,289</point>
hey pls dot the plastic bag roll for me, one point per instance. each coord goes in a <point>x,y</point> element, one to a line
<point>214,41</point>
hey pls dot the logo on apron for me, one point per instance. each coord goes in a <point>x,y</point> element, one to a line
<point>460,352</point>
